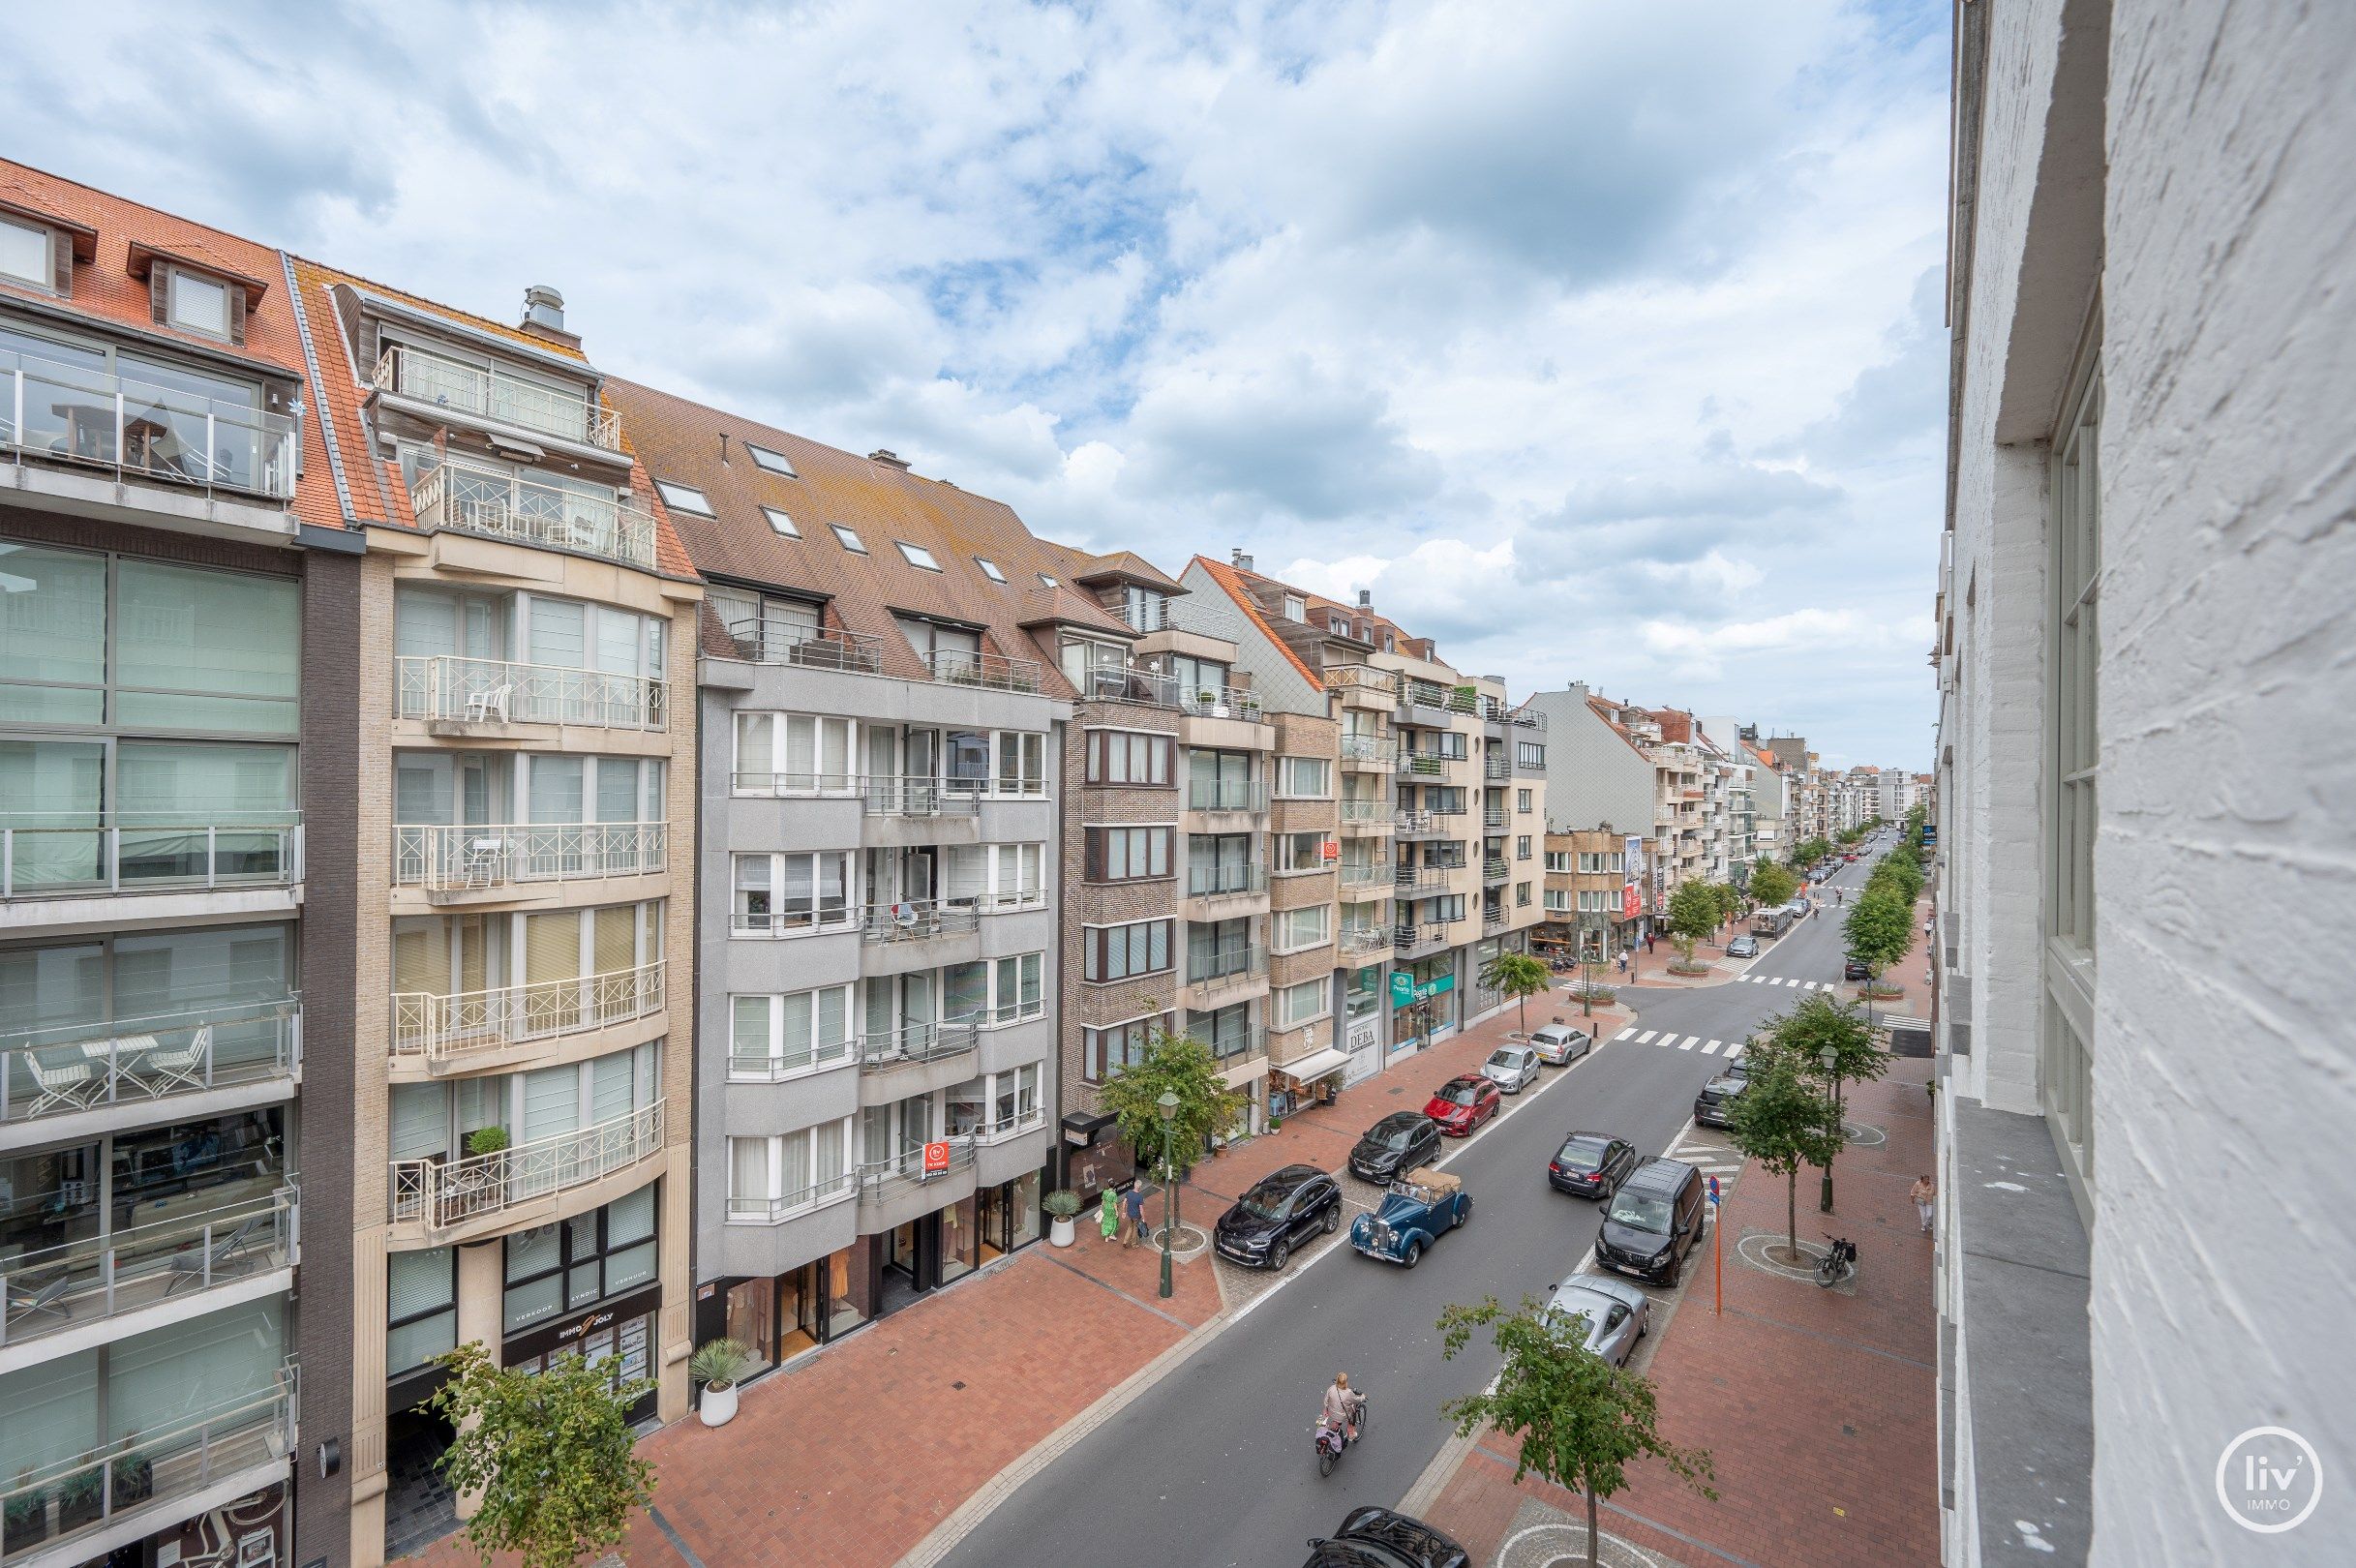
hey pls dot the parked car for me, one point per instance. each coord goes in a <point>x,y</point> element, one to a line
<point>1559,1044</point>
<point>1854,971</point>
<point>1590,1165</point>
<point>1511,1068</point>
<point>1401,1141</point>
<point>1373,1537</point>
<point>1654,1221</point>
<point>1712,1106</point>
<point>1742,947</point>
<point>1421,1207</point>
<point>1283,1210</point>
<point>1462,1105</point>
<point>1612,1314</point>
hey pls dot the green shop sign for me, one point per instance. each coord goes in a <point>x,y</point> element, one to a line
<point>1404,992</point>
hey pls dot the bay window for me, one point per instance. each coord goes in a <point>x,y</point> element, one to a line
<point>1107,1049</point>
<point>776,1036</point>
<point>1298,929</point>
<point>1125,853</point>
<point>784,895</point>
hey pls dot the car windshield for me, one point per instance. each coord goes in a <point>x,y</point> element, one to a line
<point>1583,1152</point>
<point>1504,1059</point>
<point>1397,1137</point>
<point>1267,1203</point>
<point>1455,1094</point>
<point>1640,1212</point>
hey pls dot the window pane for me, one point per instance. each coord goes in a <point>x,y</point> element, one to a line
<point>184,629</point>
<point>52,628</point>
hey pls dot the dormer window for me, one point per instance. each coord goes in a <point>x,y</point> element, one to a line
<point>781,524</point>
<point>916,556</point>
<point>989,568</point>
<point>1296,607</point>
<point>26,255</point>
<point>774,462</point>
<point>850,538</point>
<point>684,497</point>
<point>196,303</point>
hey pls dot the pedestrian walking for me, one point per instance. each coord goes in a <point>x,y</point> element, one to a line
<point>1134,1207</point>
<point>1623,963</point>
<point>1925,1193</point>
<point>1108,1215</point>
<point>1647,941</point>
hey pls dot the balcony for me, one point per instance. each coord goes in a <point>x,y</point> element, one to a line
<point>993,671</point>
<point>524,510</point>
<point>1435,706</point>
<point>87,1070</point>
<point>1220,701</point>
<point>1495,872</point>
<point>1364,941</point>
<point>811,647</point>
<point>489,857</point>
<point>764,1066</point>
<point>883,1180</point>
<point>1494,710</point>
<point>916,920</point>
<point>1012,1125</point>
<point>1366,876</point>
<point>441,1031</point>
<point>1128,684</point>
<point>1361,686</point>
<point>152,1480</point>
<point>1493,819</point>
<point>496,396</point>
<point>76,1283</point>
<point>1493,918</point>
<point>1420,881</point>
<point>1215,971</point>
<point>1226,795</point>
<point>1426,765</point>
<point>888,1051</point>
<point>883,795</point>
<point>1226,881</point>
<point>1428,822</point>
<point>443,689</point>
<point>1359,816</point>
<point>1419,939</point>
<point>440,1193</point>
<point>771,1211</point>
<point>1366,753</point>
<point>1494,769</point>
<point>79,854</point>
<point>132,431</point>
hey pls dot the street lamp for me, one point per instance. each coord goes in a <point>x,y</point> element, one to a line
<point>1830,1058</point>
<point>1167,1105</point>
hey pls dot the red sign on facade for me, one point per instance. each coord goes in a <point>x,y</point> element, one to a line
<point>1331,848</point>
<point>936,1157</point>
<point>1631,901</point>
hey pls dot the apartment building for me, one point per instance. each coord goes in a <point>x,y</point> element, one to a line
<point>2147,585</point>
<point>880,757</point>
<point>177,890</point>
<point>523,783</point>
<point>1596,900</point>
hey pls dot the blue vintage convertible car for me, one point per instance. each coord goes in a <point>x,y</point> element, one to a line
<point>1418,1209</point>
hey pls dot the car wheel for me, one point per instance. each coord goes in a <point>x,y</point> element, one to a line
<point>1333,1219</point>
<point>1463,1214</point>
<point>1280,1256</point>
<point>1414,1255</point>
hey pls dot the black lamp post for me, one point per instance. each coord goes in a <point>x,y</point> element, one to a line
<point>1828,1058</point>
<point>1167,1105</point>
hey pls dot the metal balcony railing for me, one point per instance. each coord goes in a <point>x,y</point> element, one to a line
<point>1360,811</point>
<point>1226,881</point>
<point>55,1289</point>
<point>770,1211</point>
<point>444,1192</point>
<point>832,914</point>
<point>1374,874</point>
<point>1492,818</point>
<point>184,1455</point>
<point>1226,795</point>
<point>914,920</point>
<point>1427,694</point>
<point>504,505</point>
<point>994,671</point>
<point>75,853</point>
<point>1151,615</point>
<point>790,1062</point>
<point>1426,764</point>
<point>1492,918</point>
<point>446,858</point>
<point>1010,1126</point>
<point>1493,870</point>
<point>1418,938</point>
<point>439,1027</point>
<point>444,687</point>
<point>496,396</point>
<point>1361,939</point>
<point>1128,684</point>
<point>1494,769</point>
<point>886,1050</point>
<point>1220,701</point>
<point>1419,881</point>
<point>813,648</point>
<point>134,430</point>
<point>880,1177</point>
<point>883,795</point>
<point>1367,751</point>
<point>1215,969</point>
<point>1234,1044</point>
<point>66,1068</point>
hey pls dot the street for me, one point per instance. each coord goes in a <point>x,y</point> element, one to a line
<point>1214,1466</point>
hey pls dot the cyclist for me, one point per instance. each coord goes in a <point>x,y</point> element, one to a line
<point>1342,1406</point>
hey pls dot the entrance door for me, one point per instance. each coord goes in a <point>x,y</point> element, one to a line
<point>752,1317</point>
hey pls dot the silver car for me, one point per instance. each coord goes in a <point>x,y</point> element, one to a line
<point>1613,1312</point>
<point>1559,1044</point>
<point>1511,1068</point>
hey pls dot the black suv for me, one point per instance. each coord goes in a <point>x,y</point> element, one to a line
<point>1283,1210</point>
<point>1653,1222</point>
<point>1590,1165</point>
<point>1393,1146</point>
<point>1716,1100</point>
<point>1373,1537</point>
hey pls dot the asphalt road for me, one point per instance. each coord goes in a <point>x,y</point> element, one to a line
<point>1213,1467</point>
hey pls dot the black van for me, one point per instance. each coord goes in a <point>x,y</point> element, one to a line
<point>1653,1222</point>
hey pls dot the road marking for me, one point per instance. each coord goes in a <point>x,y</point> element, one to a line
<point>1811,984</point>
<point>1625,1032</point>
<point>1691,1040</point>
<point>1736,1049</point>
<point>1711,1049</point>
<point>1645,1037</point>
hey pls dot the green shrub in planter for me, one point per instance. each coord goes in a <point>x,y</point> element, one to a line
<point>79,1499</point>
<point>1063,1205</point>
<point>485,1141</point>
<point>25,1521</point>
<point>718,1364</point>
<point>135,1479</point>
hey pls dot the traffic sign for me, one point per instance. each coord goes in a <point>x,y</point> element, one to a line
<point>1713,1190</point>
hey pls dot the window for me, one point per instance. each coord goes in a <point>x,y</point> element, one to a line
<point>1045,581</point>
<point>1298,929</point>
<point>1298,1004</point>
<point>770,1178</point>
<point>994,876</point>
<point>1128,757</point>
<point>26,253</point>
<point>916,556</point>
<point>781,524</point>
<point>1558,901</point>
<point>1308,778</point>
<point>1557,859</point>
<point>850,538</point>
<point>778,895</point>
<point>1522,800</point>
<point>421,1308</point>
<point>796,754</point>
<point>1529,757</point>
<point>1124,951</point>
<point>685,498</point>
<point>1227,1031</point>
<point>1296,607</point>
<point>201,304</point>
<point>568,1265</point>
<point>1126,854</point>
<point>989,568</point>
<point>1114,1046</point>
<point>773,1037</point>
<point>1300,851</point>
<point>2073,648</point>
<point>774,462</point>
<point>1521,895</point>
<point>1521,847</point>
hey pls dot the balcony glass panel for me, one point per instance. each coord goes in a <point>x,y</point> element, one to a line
<point>143,419</point>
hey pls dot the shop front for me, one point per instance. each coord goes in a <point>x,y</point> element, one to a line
<point>1095,1156</point>
<point>777,1318</point>
<point>1423,1004</point>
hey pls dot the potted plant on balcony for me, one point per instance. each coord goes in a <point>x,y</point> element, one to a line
<point>717,1366</point>
<point>1063,1207</point>
<point>487,1140</point>
<point>135,1478</point>
<point>79,1499</point>
<point>25,1521</point>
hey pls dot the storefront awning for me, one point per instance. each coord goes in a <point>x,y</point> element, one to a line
<point>1317,1065</point>
<point>1081,1129</point>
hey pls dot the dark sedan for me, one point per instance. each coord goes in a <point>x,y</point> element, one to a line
<point>1283,1210</point>
<point>1854,971</point>
<point>1714,1105</point>
<point>1462,1105</point>
<point>1400,1142</point>
<point>1372,1537</point>
<point>1590,1165</point>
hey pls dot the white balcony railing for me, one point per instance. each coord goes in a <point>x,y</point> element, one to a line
<point>884,1050</point>
<point>438,1027</point>
<point>134,430</point>
<point>1226,795</point>
<point>64,1287</point>
<point>1010,1126</point>
<point>772,1067</point>
<point>913,919</point>
<point>1220,701</point>
<point>66,1067</point>
<point>531,511</point>
<point>442,858</point>
<point>494,395</point>
<point>69,854</point>
<point>444,687</point>
<point>445,1192</point>
<point>771,1211</point>
<point>1226,881</point>
<point>1368,748</point>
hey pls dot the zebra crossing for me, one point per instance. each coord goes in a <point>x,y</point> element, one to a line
<point>1671,1040</point>
<point>1780,980</point>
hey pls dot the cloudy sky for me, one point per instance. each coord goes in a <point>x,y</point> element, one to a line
<point>1601,341</point>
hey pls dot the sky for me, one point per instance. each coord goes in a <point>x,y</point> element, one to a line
<point>1598,341</point>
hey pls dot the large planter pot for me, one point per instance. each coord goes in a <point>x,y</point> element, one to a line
<point>719,1406</point>
<point>1059,1232</point>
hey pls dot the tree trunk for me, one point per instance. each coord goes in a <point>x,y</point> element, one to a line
<point>1790,1207</point>
<point>1594,1545</point>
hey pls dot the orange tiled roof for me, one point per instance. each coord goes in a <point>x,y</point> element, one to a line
<point>1231,581</point>
<point>1414,646</point>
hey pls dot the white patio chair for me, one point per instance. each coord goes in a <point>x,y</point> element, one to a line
<point>480,864</point>
<point>67,1083</point>
<point>167,1067</point>
<point>488,703</point>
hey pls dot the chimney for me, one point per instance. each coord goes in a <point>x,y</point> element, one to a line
<point>1366,598</point>
<point>889,458</point>
<point>544,316</point>
<point>1243,562</point>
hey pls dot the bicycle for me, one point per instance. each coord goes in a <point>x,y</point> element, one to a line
<point>1838,1265</point>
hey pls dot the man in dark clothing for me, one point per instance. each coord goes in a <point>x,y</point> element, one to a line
<point>1134,1203</point>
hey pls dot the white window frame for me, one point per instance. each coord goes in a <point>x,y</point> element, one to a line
<point>1285,791</point>
<point>916,556</point>
<point>848,537</point>
<point>684,497</point>
<point>989,569</point>
<point>1296,607</point>
<point>781,523</point>
<point>1321,1007</point>
<point>770,462</point>
<point>771,930</point>
<point>779,1186</point>
<point>822,1055</point>
<point>1282,943</point>
<point>44,279</point>
<point>178,274</point>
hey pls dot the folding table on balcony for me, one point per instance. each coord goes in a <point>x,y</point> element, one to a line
<point>161,1069</point>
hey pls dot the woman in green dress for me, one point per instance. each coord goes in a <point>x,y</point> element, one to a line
<point>1108,1213</point>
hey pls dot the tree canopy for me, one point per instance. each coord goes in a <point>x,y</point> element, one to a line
<point>1182,1065</point>
<point>1880,930</point>
<point>1693,914</point>
<point>1784,1119</point>
<point>550,1455</point>
<point>1518,975</point>
<point>1773,885</point>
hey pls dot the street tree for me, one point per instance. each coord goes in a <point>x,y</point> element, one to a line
<point>1821,1028</point>
<point>550,1455</point>
<point>1580,1419</point>
<point>1880,930</point>
<point>1784,1119</point>
<point>1519,977</point>
<point>1693,914</point>
<point>1185,1067</point>
<point>1772,885</point>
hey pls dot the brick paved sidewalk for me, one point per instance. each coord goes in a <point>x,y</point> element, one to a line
<point>1818,1406</point>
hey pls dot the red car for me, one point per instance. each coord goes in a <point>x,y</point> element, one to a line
<point>1464,1104</point>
